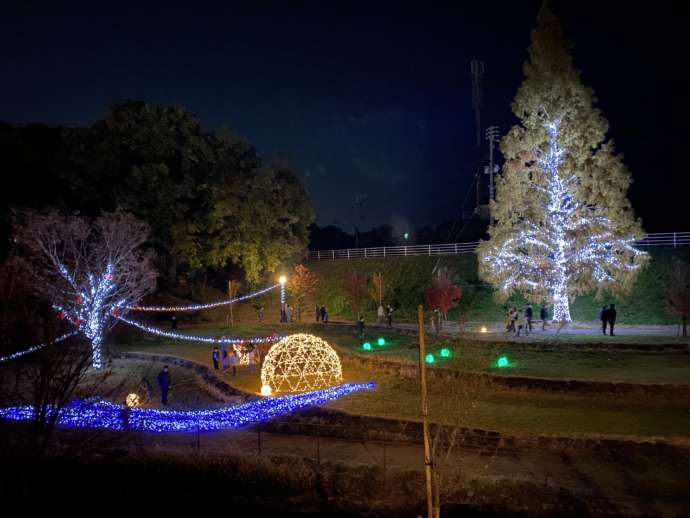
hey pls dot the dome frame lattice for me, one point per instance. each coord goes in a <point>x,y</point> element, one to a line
<point>300,363</point>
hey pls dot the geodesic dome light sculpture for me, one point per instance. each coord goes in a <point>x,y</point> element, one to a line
<point>299,363</point>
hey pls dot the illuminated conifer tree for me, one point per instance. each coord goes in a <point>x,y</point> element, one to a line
<point>562,224</point>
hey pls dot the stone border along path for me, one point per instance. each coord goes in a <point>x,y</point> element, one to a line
<point>319,420</point>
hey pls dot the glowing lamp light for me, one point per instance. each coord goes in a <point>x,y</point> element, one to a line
<point>502,362</point>
<point>381,341</point>
<point>282,279</point>
<point>445,352</point>
<point>132,400</point>
<point>406,235</point>
<point>429,358</point>
<point>366,346</point>
<point>483,329</point>
<point>266,390</point>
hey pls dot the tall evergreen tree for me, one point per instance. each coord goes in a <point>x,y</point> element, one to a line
<point>563,225</point>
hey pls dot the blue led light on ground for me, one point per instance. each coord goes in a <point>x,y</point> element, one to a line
<point>110,416</point>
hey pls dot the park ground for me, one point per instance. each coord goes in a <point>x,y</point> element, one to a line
<point>572,423</point>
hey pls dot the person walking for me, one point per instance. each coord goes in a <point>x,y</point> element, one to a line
<point>215,356</point>
<point>164,384</point>
<point>225,359</point>
<point>322,311</point>
<point>604,317</point>
<point>234,360</point>
<point>389,314</point>
<point>360,328</point>
<point>381,314</point>
<point>528,318</point>
<point>288,313</point>
<point>611,319</point>
<point>514,319</point>
<point>518,321</point>
<point>527,322</point>
<point>543,315</point>
<point>325,315</point>
<point>436,320</point>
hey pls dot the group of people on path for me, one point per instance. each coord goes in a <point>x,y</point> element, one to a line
<point>607,315</point>
<point>385,314</point>
<point>285,313</point>
<point>517,320</point>
<point>321,313</point>
<point>224,359</point>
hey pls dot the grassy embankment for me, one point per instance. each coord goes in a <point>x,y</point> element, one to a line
<point>517,412</point>
<point>406,278</point>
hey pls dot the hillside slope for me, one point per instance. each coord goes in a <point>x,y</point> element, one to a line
<point>406,278</point>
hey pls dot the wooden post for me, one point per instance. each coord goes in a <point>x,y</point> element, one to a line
<point>428,464</point>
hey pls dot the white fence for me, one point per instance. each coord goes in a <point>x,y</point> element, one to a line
<point>660,239</point>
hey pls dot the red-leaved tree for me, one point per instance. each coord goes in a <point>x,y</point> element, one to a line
<point>89,271</point>
<point>678,291</point>
<point>356,292</point>
<point>443,293</point>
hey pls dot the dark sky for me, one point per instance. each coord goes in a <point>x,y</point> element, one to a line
<point>362,100</point>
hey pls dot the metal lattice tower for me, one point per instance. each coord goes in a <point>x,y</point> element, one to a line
<point>477,69</point>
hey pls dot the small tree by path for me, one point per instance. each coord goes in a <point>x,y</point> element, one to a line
<point>86,270</point>
<point>302,284</point>
<point>233,290</point>
<point>355,288</point>
<point>377,288</point>
<point>678,291</point>
<point>443,293</point>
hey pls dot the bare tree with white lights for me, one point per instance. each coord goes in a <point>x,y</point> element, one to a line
<point>89,271</point>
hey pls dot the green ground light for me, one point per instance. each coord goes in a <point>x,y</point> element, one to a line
<point>445,352</point>
<point>366,346</point>
<point>502,362</point>
<point>429,358</point>
<point>381,341</point>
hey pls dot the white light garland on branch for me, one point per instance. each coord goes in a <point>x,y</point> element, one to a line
<point>569,243</point>
<point>301,362</point>
<point>38,347</point>
<point>91,308</point>
<point>202,338</point>
<point>199,307</point>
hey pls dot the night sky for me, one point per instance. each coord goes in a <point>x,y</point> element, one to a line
<point>364,100</point>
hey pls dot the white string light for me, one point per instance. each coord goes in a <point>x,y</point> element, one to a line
<point>91,308</point>
<point>198,307</point>
<point>301,362</point>
<point>201,338</point>
<point>38,347</point>
<point>567,244</point>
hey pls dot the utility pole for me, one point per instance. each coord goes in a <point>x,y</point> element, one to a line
<point>492,137</point>
<point>428,463</point>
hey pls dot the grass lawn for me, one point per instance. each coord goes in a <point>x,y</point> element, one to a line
<point>484,406</point>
